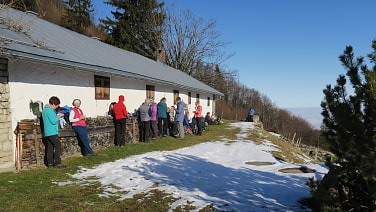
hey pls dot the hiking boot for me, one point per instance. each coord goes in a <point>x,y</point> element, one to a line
<point>94,153</point>
<point>60,166</point>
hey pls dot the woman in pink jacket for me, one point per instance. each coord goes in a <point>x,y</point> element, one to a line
<point>77,118</point>
<point>198,116</point>
<point>154,119</point>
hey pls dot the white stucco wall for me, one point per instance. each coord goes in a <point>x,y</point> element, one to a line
<point>38,82</point>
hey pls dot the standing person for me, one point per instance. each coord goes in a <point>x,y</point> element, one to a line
<point>77,118</point>
<point>179,117</point>
<point>171,121</point>
<point>197,112</point>
<point>120,112</point>
<point>154,119</point>
<point>145,121</point>
<point>50,124</point>
<point>251,112</point>
<point>162,117</point>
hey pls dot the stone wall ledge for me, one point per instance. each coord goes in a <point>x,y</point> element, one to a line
<point>71,133</point>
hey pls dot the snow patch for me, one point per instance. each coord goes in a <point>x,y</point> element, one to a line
<point>210,173</point>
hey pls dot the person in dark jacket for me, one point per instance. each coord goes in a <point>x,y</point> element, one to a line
<point>145,114</point>
<point>50,127</point>
<point>120,112</point>
<point>162,117</point>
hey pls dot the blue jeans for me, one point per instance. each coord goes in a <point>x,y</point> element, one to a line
<point>83,139</point>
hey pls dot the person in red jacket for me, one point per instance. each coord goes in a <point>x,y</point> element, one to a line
<point>120,112</point>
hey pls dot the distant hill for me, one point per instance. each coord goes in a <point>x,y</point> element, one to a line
<point>311,114</point>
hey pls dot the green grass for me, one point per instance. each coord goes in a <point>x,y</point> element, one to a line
<point>36,190</point>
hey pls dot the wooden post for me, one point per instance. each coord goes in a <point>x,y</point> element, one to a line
<point>298,142</point>
<point>20,152</point>
<point>293,138</point>
<point>17,151</point>
<point>317,149</point>
<point>133,130</point>
<point>36,143</point>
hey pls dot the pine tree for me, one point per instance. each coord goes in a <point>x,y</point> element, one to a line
<point>77,15</point>
<point>136,27</point>
<point>350,130</point>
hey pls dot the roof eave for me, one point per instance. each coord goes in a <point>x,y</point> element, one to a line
<point>96,69</point>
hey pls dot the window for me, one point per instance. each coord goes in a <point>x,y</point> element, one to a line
<point>189,98</point>
<point>150,90</point>
<point>176,95</point>
<point>102,87</point>
<point>208,101</point>
<point>4,70</point>
<point>198,98</point>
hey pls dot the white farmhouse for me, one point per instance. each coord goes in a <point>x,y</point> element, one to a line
<point>50,60</point>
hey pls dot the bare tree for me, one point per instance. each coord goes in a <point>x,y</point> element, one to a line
<point>189,41</point>
<point>21,25</point>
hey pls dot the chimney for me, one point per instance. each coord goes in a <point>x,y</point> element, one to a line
<point>161,55</point>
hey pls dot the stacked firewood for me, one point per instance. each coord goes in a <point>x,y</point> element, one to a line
<point>29,148</point>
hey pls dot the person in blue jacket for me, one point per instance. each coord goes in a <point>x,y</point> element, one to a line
<point>50,123</point>
<point>179,117</point>
<point>251,112</point>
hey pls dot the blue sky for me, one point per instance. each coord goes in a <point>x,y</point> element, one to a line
<point>286,49</point>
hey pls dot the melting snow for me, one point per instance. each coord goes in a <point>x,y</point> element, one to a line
<point>211,173</point>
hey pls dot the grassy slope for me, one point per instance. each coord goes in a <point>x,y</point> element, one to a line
<point>35,190</point>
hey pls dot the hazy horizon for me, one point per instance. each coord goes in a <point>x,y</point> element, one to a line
<point>311,114</point>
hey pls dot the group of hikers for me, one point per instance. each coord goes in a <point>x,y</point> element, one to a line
<point>158,120</point>
<point>155,120</point>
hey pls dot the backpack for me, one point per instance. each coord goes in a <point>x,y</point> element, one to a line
<point>66,111</point>
<point>111,111</point>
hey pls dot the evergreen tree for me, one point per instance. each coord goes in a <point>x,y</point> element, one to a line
<point>350,130</point>
<point>77,15</point>
<point>136,27</point>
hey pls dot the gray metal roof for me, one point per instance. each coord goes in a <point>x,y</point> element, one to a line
<point>64,47</point>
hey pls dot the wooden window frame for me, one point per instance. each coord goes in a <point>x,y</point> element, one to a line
<point>176,95</point>
<point>102,87</point>
<point>150,91</point>
<point>189,98</point>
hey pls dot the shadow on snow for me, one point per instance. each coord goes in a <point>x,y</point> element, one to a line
<point>225,187</point>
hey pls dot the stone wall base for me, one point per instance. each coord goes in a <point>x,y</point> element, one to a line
<point>101,132</point>
<point>6,133</point>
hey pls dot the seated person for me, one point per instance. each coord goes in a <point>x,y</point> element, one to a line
<point>208,119</point>
<point>186,119</point>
